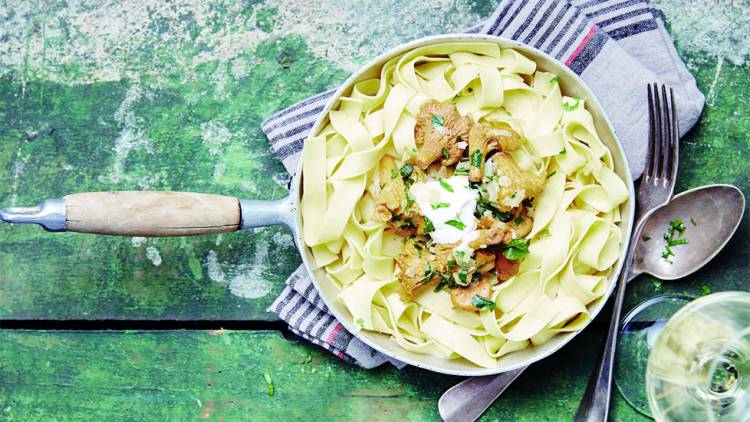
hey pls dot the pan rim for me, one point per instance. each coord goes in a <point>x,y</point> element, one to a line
<point>625,226</point>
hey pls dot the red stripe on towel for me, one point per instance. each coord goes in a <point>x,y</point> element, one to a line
<point>578,49</point>
<point>335,331</point>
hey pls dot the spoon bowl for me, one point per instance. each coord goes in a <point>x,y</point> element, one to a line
<point>711,215</point>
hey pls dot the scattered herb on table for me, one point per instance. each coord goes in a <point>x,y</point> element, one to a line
<point>516,249</point>
<point>482,302</point>
<point>306,359</point>
<point>692,221</point>
<point>269,382</point>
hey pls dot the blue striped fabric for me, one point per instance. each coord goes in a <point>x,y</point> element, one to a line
<point>616,46</point>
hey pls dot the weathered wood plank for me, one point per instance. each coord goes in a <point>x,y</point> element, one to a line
<point>159,120</point>
<point>188,375</point>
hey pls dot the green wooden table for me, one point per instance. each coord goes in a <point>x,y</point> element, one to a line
<point>157,95</point>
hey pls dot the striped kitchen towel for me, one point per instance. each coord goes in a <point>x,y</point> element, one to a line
<point>615,46</point>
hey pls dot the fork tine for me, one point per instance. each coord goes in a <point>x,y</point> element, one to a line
<point>651,134</point>
<point>674,146</point>
<point>658,131</point>
<point>666,139</point>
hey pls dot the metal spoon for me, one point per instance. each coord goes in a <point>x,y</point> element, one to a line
<point>711,215</point>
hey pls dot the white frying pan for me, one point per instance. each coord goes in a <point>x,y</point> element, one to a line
<point>187,214</point>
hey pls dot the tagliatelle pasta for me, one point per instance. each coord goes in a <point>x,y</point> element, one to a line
<point>574,242</point>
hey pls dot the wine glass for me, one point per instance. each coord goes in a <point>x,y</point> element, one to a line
<point>639,330</point>
<point>699,366</point>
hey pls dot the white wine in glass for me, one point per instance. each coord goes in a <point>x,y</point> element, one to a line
<point>699,366</point>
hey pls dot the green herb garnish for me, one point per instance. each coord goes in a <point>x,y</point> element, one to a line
<point>518,220</point>
<point>462,169</point>
<point>446,153</point>
<point>455,223</point>
<point>476,158</point>
<point>437,121</point>
<point>269,382</point>
<point>554,80</point>
<point>483,205</point>
<point>360,322</point>
<point>516,249</point>
<point>675,226</point>
<point>563,151</point>
<point>438,205</point>
<point>394,173</point>
<point>571,106</point>
<point>406,170</point>
<point>445,185</point>
<point>428,273</point>
<point>428,226</point>
<point>482,302</point>
<point>462,274</point>
<point>554,172</point>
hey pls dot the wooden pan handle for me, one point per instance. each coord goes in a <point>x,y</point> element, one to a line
<point>150,214</point>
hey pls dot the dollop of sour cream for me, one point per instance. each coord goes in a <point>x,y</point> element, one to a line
<point>445,202</point>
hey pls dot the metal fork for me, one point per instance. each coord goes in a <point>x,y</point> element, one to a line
<point>467,400</point>
<point>654,190</point>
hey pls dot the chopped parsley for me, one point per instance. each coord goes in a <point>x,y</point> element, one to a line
<point>516,249</point>
<point>482,302</point>
<point>563,151</point>
<point>462,169</point>
<point>554,80</point>
<point>406,170</point>
<point>437,121</point>
<point>446,185</point>
<point>428,226</point>
<point>676,226</point>
<point>692,221</point>
<point>518,220</point>
<point>269,382</point>
<point>446,154</point>
<point>571,106</point>
<point>554,172</point>
<point>438,205</point>
<point>360,322</point>
<point>462,274</point>
<point>483,205</point>
<point>476,158</point>
<point>646,238</point>
<point>394,173</point>
<point>455,223</point>
<point>428,273</point>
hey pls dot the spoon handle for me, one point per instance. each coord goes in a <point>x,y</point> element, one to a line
<point>467,400</point>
